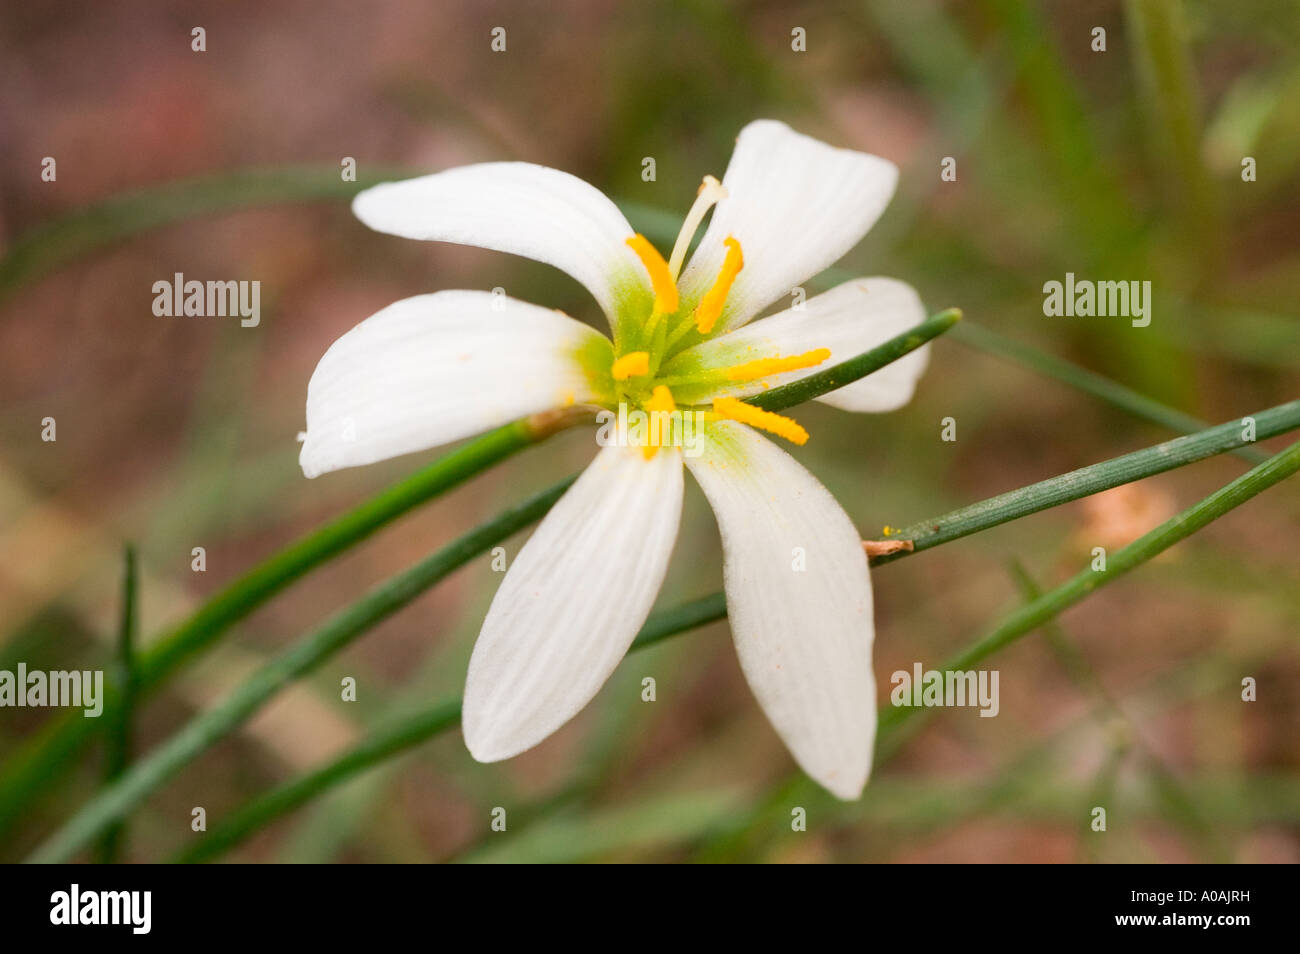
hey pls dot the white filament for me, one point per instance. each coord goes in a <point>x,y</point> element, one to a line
<point>711,191</point>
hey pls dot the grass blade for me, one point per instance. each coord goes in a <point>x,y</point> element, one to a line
<point>1051,604</point>
<point>46,752</point>
<point>381,745</point>
<point>205,729</point>
<point>119,732</point>
<point>1090,480</point>
<point>661,625</point>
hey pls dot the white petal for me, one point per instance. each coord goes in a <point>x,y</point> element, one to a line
<point>849,319</point>
<point>573,601</point>
<point>435,368</point>
<point>796,205</point>
<point>521,208</point>
<point>803,636</point>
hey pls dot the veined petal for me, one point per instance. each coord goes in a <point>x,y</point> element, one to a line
<point>435,368</point>
<point>525,209</point>
<point>796,205</point>
<point>848,320</point>
<point>804,636</point>
<point>573,601</point>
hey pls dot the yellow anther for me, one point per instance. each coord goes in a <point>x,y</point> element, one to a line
<point>661,399</point>
<point>631,365</point>
<point>661,403</point>
<point>777,424</point>
<point>710,306</point>
<point>660,278</point>
<point>766,367</point>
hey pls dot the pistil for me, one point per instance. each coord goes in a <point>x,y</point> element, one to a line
<point>710,192</point>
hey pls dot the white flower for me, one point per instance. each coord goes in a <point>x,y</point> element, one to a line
<point>435,368</point>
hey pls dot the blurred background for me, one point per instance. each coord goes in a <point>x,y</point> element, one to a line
<point>1122,164</point>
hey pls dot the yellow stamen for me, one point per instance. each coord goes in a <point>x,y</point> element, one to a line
<point>631,365</point>
<point>661,402</point>
<point>710,306</point>
<point>766,367</point>
<point>660,278</point>
<point>777,424</point>
<point>661,399</point>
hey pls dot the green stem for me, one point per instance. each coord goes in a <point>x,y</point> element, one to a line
<point>405,734</point>
<point>383,744</point>
<point>1179,803</point>
<point>895,724</point>
<point>846,372</point>
<point>119,732</point>
<point>1090,480</point>
<point>1052,603</point>
<point>255,587</point>
<point>48,750</point>
<point>205,729</point>
<point>659,626</point>
<point>1162,60</point>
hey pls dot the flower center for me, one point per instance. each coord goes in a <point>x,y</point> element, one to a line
<point>668,330</point>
